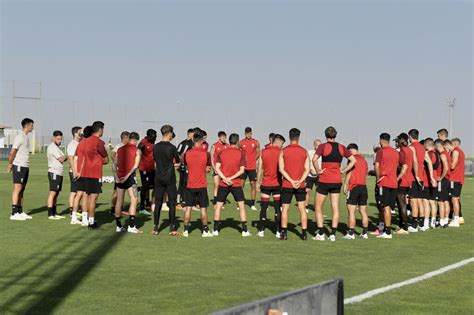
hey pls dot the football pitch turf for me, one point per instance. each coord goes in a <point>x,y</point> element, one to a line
<point>53,267</point>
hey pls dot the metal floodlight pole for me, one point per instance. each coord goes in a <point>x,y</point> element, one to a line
<point>451,105</point>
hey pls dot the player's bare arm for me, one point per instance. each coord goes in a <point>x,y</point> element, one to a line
<point>415,165</point>
<point>11,157</point>
<point>454,159</point>
<point>352,163</point>
<point>403,171</point>
<point>259,173</point>
<point>430,168</point>
<point>445,163</point>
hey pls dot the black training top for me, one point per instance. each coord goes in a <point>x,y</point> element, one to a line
<point>183,147</point>
<point>165,155</point>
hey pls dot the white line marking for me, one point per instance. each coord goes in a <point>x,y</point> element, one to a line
<point>372,293</point>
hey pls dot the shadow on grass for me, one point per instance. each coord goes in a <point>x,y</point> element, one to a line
<point>61,270</point>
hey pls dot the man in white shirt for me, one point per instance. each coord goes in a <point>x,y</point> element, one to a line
<point>71,151</point>
<point>312,179</point>
<point>18,164</point>
<point>56,160</point>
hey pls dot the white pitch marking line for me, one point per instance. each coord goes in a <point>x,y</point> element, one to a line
<point>426,276</point>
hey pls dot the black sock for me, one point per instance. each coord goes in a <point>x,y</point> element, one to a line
<point>112,210</point>
<point>276,204</point>
<point>415,221</point>
<point>244,226</point>
<point>205,228</point>
<point>20,209</point>
<point>14,209</point>
<point>283,231</point>
<point>50,212</point>
<point>333,231</point>
<point>186,227</point>
<point>70,210</point>
<point>217,225</point>
<point>364,230</point>
<point>351,232</point>
<point>388,230</point>
<point>252,203</point>
<point>263,215</point>
<point>131,221</point>
<point>54,210</point>
<point>118,222</point>
<point>303,232</point>
<point>320,231</point>
<point>421,222</point>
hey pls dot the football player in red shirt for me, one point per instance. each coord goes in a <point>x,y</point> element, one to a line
<point>355,187</point>
<point>386,163</point>
<point>457,180</point>
<point>294,167</point>
<point>95,157</point>
<point>147,169</point>
<point>269,182</point>
<point>205,145</point>
<point>271,137</point>
<point>251,148</point>
<point>198,163</point>
<point>405,180</point>
<point>431,203</point>
<point>330,179</point>
<point>127,162</point>
<point>216,148</point>
<point>442,177</point>
<point>230,165</point>
<point>124,138</point>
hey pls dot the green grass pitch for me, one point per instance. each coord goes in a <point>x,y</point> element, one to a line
<point>53,267</point>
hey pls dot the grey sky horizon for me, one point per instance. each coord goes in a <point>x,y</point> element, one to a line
<point>364,67</point>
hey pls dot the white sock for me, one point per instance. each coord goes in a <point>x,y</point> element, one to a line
<point>74,216</point>
<point>91,220</point>
<point>153,207</point>
<point>84,217</point>
<point>456,219</point>
<point>381,226</point>
<point>426,222</point>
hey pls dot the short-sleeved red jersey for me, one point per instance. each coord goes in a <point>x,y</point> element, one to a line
<point>205,146</point>
<point>440,170</point>
<point>231,160</point>
<point>359,172</point>
<point>249,147</point>
<point>331,154</point>
<point>457,173</point>
<point>271,174</point>
<point>126,159</point>
<point>294,157</point>
<point>95,153</point>
<point>420,153</point>
<point>147,163</point>
<point>388,159</point>
<point>197,160</point>
<point>407,179</point>
<point>218,147</point>
<point>81,158</point>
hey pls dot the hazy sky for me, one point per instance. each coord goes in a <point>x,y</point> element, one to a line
<point>364,67</point>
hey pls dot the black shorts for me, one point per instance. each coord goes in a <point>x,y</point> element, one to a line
<point>251,174</point>
<point>81,184</point>
<point>55,182</point>
<point>132,180</point>
<point>455,189</point>
<point>214,173</point>
<point>288,193</point>
<point>326,188</point>
<point>426,194</point>
<point>403,190</point>
<point>416,190</point>
<point>443,190</point>
<point>73,182</point>
<point>270,190</point>
<point>433,193</point>
<point>358,196</point>
<point>92,185</point>
<point>312,181</point>
<point>387,197</point>
<point>223,192</point>
<point>195,196</point>
<point>20,174</point>
<point>147,179</point>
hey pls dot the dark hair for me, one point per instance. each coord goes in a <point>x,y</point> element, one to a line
<point>97,125</point>
<point>124,135</point>
<point>57,133</point>
<point>248,129</point>
<point>197,129</point>
<point>443,131</point>
<point>198,136</point>
<point>294,134</point>
<point>271,135</point>
<point>75,130</point>
<point>403,136</point>
<point>26,121</point>
<point>429,141</point>
<point>134,135</point>
<point>278,137</point>
<point>384,136</point>
<point>414,133</point>
<point>221,133</point>
<point>439,141</point>
<point>191,130</point>
<point>166,129</point>
<point>234,138</point>
<point>456,139</point>
<point>87,132</point>
<point>353,146</point>
<point>204,133</point>
<point>151,133</point>
<point>330,132</point>
<point>447,141</point>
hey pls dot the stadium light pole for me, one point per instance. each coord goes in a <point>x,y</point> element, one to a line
<point>451,104</point>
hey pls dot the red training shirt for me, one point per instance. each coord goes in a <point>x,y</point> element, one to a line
<point>147,163</point>
<point>249,147</point>
<point>388,159</point>
<point>218,147</point>
<point>231,160</point>
<point>81,158</point>
<point>270,158</point>
<point>331,154</point>
<point>126,159</point>
<point>408,178</point>
<point>420,152</point>
<point>95,153</point>
<point>457,173</point>
<point>359,172</point>
<point>294,157</point>
<point>197,160</point>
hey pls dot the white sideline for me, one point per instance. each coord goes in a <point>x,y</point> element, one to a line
<point>372,293</point>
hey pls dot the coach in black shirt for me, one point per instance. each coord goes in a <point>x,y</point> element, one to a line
<point>166,156</point>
